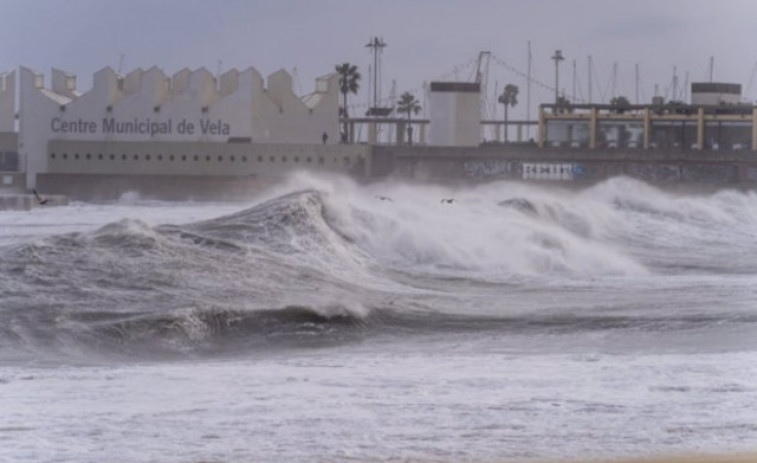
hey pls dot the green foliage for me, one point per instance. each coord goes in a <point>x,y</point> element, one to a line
<point>509,96</point>
<point>563,105</point>
<point>349,82</point>
<point>408,104</point>
<point>620,103</point>
<point>349,78</point>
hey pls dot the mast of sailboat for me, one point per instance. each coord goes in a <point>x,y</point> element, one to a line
<point>674,93</point>
<point>589,69</point>
<point>528,92</point>
<point>712,67</point>
<point>636,73</point>
<point>573,98</point>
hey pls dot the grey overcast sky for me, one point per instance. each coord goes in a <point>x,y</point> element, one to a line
<point>427,39</point>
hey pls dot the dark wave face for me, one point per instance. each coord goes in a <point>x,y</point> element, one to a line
<point>318,267</point>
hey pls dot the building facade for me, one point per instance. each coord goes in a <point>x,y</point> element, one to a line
<point>145,108</point>
<point>656,127</point>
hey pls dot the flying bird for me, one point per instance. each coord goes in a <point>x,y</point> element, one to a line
<point>384,198</point>
<point>447,200</point>
<point>40,201</point>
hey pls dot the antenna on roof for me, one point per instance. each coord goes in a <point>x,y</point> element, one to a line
<point>377,45</point>
<point>712,67</point>
<point>296,80</point>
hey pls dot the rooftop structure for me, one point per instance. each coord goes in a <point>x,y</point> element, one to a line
<point>455,109</point>
<point>668,127</point>
<point>715,94</point>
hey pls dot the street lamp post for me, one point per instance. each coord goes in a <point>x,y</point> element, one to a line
<point>557,57</point>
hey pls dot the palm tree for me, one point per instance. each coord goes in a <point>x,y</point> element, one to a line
<point>620,104</point>
<point>509,97</point>
<point>349,79</point>
<point>408,104</point>
<point>563,105</point>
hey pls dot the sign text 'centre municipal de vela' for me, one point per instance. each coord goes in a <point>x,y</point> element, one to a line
<point>147,126</point>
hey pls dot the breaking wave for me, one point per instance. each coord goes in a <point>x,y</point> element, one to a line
<point>333,262</point>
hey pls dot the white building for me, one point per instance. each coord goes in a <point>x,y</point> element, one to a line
<point>148,106</point>
<point>715,94</point>
<point>455,109</point>
<point>7,101</point>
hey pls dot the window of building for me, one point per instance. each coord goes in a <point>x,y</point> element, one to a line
<point>147,157</point>
<point>283,159</point>
<point>271,159</point>
<point>727,135</point>
<point>160,157</point>
<point>196,158</point>
<point>310,159</point>
<point>112,156</point>
<point>231,158</point>
<point>320,160</point>
<point>296,159</point>
<point>183,157</point>
<point>171,157</point>
<point>244,158</point>
<point>65,155</point>
<point>123,157</point>
<point>52,156</point>
<point>220,158</point>
<point>89,156</point>
<point>100,157</point>
<point>260,158</point>
<point>207,158</point>
<point>136,157</point>
<point>76,156</point>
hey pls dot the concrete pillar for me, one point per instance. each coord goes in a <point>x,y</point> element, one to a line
<point>700,129</point>
<point>593,128</point>
<point>754,129</point>
<point>422,134</point>
<point>541,128</point>
<point>372,133</point>
<point>352,132</point>
<point>400,140</point>
<point>520,133</point>
<point>647,127</point>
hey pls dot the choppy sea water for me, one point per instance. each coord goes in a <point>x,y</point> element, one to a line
<point>331,322</point>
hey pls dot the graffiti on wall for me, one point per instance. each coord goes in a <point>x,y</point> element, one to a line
<point>552,171</point>
<point>653,172</point>
<point>489,168</point>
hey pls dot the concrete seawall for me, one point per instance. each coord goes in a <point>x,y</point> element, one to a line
<point>110,187</point>
<point>487,163</point>
<point>447,165</point>
<point>24,202</point>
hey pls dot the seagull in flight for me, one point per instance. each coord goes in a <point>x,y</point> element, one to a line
<point>40,201</point>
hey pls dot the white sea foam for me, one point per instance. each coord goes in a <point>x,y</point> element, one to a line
<point>518,322</point>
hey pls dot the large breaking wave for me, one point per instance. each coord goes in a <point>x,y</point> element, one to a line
<point>334,262</point>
